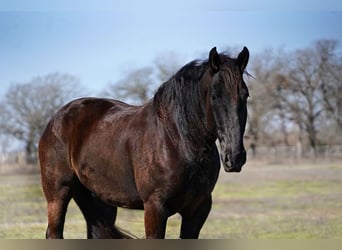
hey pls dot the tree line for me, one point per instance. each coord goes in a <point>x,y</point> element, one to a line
<point>295,97</point>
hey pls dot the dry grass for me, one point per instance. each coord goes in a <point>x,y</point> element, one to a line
<point>263,201</point>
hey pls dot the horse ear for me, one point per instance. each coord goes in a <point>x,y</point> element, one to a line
<point>214,60</point>
<point>243,58</point>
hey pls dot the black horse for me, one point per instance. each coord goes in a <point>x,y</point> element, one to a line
<point>160,157</point>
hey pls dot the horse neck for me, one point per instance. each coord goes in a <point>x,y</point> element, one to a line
<point>189,120</point>
<point>210,124</point>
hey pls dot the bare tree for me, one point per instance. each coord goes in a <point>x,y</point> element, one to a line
<point>262,104</point>
<point>27,107</point>
<point>167,64</point>
<point>138,85</point>
<point>299,89</point>
<point>330,71</point>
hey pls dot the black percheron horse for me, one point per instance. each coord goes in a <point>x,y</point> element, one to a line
<point>160,157</point>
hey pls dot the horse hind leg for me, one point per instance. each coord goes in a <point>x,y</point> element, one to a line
<point>57,179</point>
<point>58,195</point>
<point>60,184</point>
<point>56,218</point>
<point>100,217</point>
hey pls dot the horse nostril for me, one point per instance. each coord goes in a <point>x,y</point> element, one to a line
<point>227,160</point>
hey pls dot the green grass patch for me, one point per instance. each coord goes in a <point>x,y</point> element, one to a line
<point>287,188</point>
<point>286,207</point>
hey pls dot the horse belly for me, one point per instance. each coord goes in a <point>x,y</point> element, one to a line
<point>110,177</point>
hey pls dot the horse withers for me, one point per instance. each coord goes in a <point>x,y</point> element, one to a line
<point>160,157</point>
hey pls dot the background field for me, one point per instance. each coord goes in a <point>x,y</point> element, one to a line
<point>263,201</point>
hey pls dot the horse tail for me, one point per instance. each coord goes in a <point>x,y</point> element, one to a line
<point>124,234</point>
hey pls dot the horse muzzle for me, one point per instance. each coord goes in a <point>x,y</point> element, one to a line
<point>235,163</point>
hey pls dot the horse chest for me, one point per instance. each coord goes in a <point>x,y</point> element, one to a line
<point>199,179</point>
<point>190,189</point>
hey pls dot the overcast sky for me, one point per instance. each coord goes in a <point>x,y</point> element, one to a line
<point>99,42</point>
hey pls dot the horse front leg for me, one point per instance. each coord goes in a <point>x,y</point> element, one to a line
<point>193,219</point>
<point>155,220</point>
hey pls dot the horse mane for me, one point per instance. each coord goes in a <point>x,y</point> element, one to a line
<point>179,100</point>
<point>180,83</point>
<point>182,88</point>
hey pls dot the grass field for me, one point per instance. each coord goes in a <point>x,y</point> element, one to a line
<point>294,201</point>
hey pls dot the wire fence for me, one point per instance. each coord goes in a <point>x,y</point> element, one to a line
<point>16,162</point>
<point>295,153</point>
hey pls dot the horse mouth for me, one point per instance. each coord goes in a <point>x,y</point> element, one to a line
<point>235,164</point>
<point>233,170</point>
<point>229,168</point>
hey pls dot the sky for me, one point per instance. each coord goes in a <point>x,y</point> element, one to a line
<point>100,42</point>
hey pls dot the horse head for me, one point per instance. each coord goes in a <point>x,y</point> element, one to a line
<point>228,97</point>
